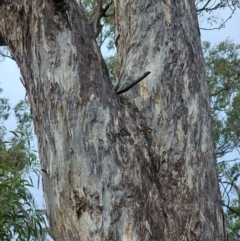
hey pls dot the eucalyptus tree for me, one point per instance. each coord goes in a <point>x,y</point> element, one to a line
<point>20,218</point>
<point>223,76</point>
<point>132,163</point>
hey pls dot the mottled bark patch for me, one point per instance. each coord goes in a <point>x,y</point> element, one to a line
<point>80,203</point>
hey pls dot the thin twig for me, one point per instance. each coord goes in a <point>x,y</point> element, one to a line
<point>231,209</point>
<point>232,182</point>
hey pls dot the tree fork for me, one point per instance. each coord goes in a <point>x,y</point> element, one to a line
<point>108,178</point>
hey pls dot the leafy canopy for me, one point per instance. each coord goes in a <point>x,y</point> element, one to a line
<point>20,219</point>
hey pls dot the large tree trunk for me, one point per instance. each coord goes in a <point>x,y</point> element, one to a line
<point>136,167</point>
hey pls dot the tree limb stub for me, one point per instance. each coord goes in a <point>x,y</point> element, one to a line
<point>119,92</point>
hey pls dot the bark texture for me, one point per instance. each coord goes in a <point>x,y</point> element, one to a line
<point>137,167</point>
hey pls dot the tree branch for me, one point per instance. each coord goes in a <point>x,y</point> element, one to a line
<point>101,12</point>
<point>204,7</point>
<point>231,209</point>
<point>20,207</point>
<point>223,23</point>
<point>6,56</point>
<point>232,182</point>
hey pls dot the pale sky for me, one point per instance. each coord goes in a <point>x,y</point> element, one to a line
<point>13,89</point>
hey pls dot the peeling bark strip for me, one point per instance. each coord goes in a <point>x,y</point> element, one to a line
<point>140,169</point>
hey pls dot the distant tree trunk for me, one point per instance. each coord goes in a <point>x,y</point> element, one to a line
<point>138,166</point>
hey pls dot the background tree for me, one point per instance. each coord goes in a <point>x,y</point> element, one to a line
<point>222,67</point>
<point>20,219</point>
<point>149,129</point>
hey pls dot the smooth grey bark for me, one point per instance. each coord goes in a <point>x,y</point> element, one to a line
<point>137,167</point>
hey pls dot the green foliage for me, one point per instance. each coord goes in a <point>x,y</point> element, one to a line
<point>20,219</point>
<point>223,75</point>
<point>113,68</point>
<point>229,175</point>
<point>233,221</point>
<point>107,35</point>
<point>23,117</point>
<point>4,114</point>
